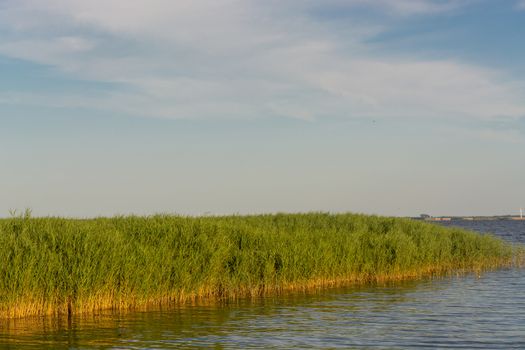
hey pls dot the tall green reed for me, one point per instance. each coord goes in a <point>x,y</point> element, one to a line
<point>56,265</point>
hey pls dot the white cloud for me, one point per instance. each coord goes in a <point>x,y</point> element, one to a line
<point>244,59</point>
<point>520,4</point>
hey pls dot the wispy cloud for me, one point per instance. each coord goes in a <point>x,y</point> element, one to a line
<point>413,7</point>
<point>248,59</point>
<point>520,4</point>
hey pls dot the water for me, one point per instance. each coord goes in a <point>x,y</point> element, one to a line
<point>485,312</point>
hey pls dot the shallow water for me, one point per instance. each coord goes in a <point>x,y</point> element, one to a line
<point>486,311</point>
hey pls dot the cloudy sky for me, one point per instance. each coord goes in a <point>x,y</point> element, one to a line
<point>394,107</point>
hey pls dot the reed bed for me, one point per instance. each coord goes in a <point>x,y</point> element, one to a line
<point>65,266</point>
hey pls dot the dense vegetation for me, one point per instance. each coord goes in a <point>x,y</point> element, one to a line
<point>55,265</point>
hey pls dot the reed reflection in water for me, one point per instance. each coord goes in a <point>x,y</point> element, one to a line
<point>454,312</point>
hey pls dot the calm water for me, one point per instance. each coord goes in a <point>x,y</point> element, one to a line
<point>486,311</point>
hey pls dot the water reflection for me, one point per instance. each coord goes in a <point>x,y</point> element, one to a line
<point>265,322</point>
<point>460,312</point>
<point>464,311</point>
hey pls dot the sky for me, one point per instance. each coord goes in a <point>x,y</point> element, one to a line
<point>388,107</point>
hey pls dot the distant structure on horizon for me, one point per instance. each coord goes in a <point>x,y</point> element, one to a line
<point>427,217</point>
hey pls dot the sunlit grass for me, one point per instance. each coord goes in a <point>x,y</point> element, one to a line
<point>55,265</point>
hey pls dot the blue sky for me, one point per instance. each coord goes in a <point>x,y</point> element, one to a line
<point>394,107</point>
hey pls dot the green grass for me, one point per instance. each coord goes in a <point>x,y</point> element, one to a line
<point>55,265</point>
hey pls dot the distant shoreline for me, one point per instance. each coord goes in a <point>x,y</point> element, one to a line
<point>469,218</point>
